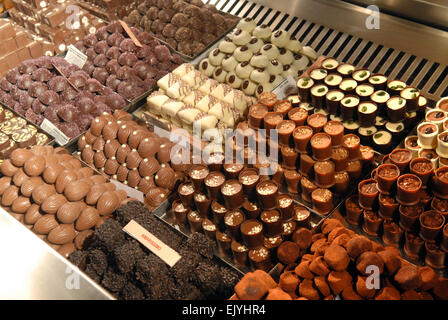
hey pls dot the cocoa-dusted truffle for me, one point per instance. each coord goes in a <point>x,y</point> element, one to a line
<point>388,293</point>
<point>367,259</point>
<point>392,261</point>
<point>358,245</point>
<point>408,277</point>
<point>339,280</point>
<point>288,252</point>
<point>336,257</point>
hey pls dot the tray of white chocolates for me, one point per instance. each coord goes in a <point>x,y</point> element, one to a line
<point>188,99</point>
<point>256,59</point>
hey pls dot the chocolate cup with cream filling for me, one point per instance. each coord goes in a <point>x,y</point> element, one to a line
<point>252,233</point>
<point>272,223</point>
<point>284,130</point>
<point>411,95</point>
<point>198,173</point>
<point>378,81</point>
<point>286,206</point>
<point>348,86</point>
<point>232,170</point>
<point>437,117</point>
<point>333,80</point>
<point>302,136</point>
<point>289,158</point>
<point>333,100</point>
<point>180,212</point>
<point>388,207</point>
<point>427,135</point>
<point>353,145</point>
<point>361,75</point>
<point>249,179</point>
<point>202,204</point>
<point>257,112</point>
<point>324,172</point>
<point>307,187</point>
<point>423,169</point>
<point>396,109</point>
<point>194,221</point>
<point>318,75</point>
<point>321,146</point>
<point>224,242</point>
<point>260,259</point>
<point>335,130</point>
<point>318,93</point>
<point>213,183</point>
<point>251,209</point>
<point>341,182</point>
<point>232,192</point>
<point>371,223</point>
<point>401,158</point>
<point>322,200</point>
<point>209,229</point>
<point>330,64</point>
<point>298,115</point>
<point>408,189</point>
<point>349,106</point>
<point>339,156</point>
<point>367,112</point>
<point>367,194</point>
<point>304,86</point>
<point>392,234</point>
<point>364,91</point>
<point>317,121</point>
<point>394,87</point>
<point>267,192</point>
<point>387,175</point>
<point>239,253</point>
<point>232,221</point>
<point>345,69</point>
<point>186,191</point>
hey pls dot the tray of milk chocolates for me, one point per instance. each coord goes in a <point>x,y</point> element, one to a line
<point>379,110</point>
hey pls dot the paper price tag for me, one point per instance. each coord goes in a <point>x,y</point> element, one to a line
<point>58,135</point>
<point>160,249</point>
<point>285,88</point>
<point>75,56</point>
<point>131,192</point>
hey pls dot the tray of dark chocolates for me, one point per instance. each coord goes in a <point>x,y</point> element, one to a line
<point>404,205</point>
<point>243,211</point>
<point>117,62</point>
<point>188,27</point>
<point>379,110</point>
<point>316,160</point>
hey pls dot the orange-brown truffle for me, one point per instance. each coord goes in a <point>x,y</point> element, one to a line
<point>319,266</point>
<point>367,259</point>
<point>339,280</point>
<point>289,281</point>
<point>358,245</point>
<point>277,294</point>
<point>303,270</point>
<point>408,278</point>
<point>388,293</point>
<point>307,290</point>
<point>322,285</point>
<point>392,262</point>
<point>429,277</point>
<point>336,257</point>
<point>251,287</point>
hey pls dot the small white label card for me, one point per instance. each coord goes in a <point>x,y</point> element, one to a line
<point>285,88</point>
<point>58,135</point>
<point>75,56</point>
<point>146,238</point>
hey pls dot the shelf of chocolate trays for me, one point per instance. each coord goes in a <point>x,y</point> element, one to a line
<point>379,110</point>
<point>256,59</point>
<point>53,89</point>
<point>125,151</point>
<point>332,262</point>
<point>187,98</point>
<point>404,202</point>
<point>118,63</point>
<point>189,27</point>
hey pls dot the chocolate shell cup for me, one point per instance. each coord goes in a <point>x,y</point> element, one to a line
<point>367,112</point>
<point>354,169</point>
<point>411,95</point>
<point>361,75</point>
<point>304,86</point>
<point>294,99</point>
<point>413,245</point>
<point>367,193</point>
<point>224,242</point>
<point>302,136</point>
<point>289,157</point>
<point>330,64</point>
<point>396,109</point>
<point>318,75</point>
<point>232,170</point>
<point>318,93</point>
<point>307,187</point>
<point>233,220</point>
<point>213,183</point>
<point>382,141</point>
<point>401,158</point>
<point>335,130</point>
<point>444,243</point>
<point>322,200</point>
<point>202,204</point>
<point>215,161</point>
<point>341,182</point>
<point>307,166</point>
<point>324,172</point>
<point>271,120</point>
<point>439,205</point>
<point>364,91</point>
<point>371,223</point>
<point>431,224</point>
<point>180,212</point>
<point>409,217</point>
<point>302,217</point>
<point>435,257</point>
<point>423,169</point>
<point>286,206</point>
<point>353,145</point>
<point>321,146</point>
<point>408,189</point>
<point>218,212</point>
<point>437,117</point>
<point>232,193</point>
<point>194,221</point>
<point>249,179</point>
<point>298,115</point>
<point>267,192</point>
<point>352,210</point>
<point>284,131</point>
<point>387,176</point>
<point>380,98</point>
<point>440,182</point>
<point>251,209</point>
<point>288,229</point>
<point>348,86</point>
<point>333,80</point>
<point>186,191</point>
<point>239,253</point>
<point>292,178</point>
<point>425,198</point>
<point>278,176</point>
<point>394,87</point>
<point>339,156</point>
<point>198,173</point>
<point>317,121</point>
<point>427,135</point>
<point>256,114</point>
<point>252,233</point>
<point>260,259</point>
<point>345,69</point>
<point>348,107</point>
<point>272,244</point>
<point>209,229</point>
<point>378,81</point>
<point>392,234</point>
<point>333,101</point>
<point>411,144</point>
<point>283,106</point>
<point>388,207</point>
<point>272,223</point>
